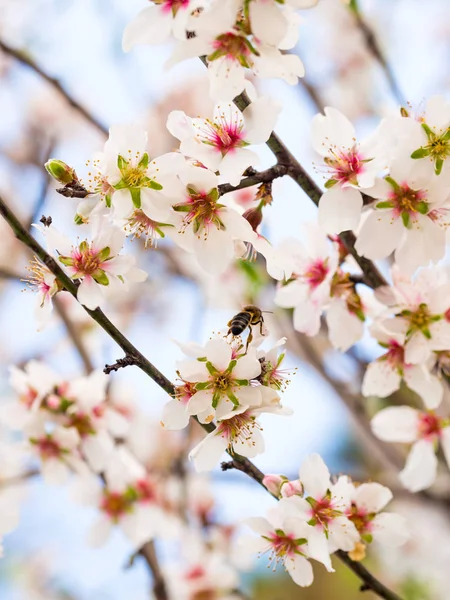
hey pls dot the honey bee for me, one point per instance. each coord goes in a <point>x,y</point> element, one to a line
<point>250,315</point>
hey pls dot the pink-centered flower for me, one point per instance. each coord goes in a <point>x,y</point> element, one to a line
<point>384,375</point>
<point>47,285</point>
<point>350,166</point>
<point>206,226</point>
<point>156,23</point>
<point>409,217</point>
<point>425,431</point>
<point>221,143</point>
<point>285,540</point>
<point>96,264</point>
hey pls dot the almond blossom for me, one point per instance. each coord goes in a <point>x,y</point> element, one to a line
<point>318,285</point>
<point>57,450</point>
<point>421,312</point>
<point>324,507</point>
<point>156,23</point>
<point>221,144</point>
<point>425,431</point>
<point>367,503</point>
<point>230,51</point>
<point>203,225</point>
<point>128,499</point>
<point>238,431</point>
<point>286,540</point>
<point>351,166</point>
<point>384,375</point>
<point>410,217</point>
<point>222,380</point>
<point>96,264</point>
<point>46,285</point>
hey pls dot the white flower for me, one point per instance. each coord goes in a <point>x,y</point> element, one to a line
<point>203,225</point>
<point>423,430</point>
<point>221,144</point>
<point>367,502</point>
<point>421,312</point>
<point>285,539</point>
<point>410,217</point>
<point>47,285</point>
<point>317,285</point>
<point>128,500</point>
<point>238,431</point>
<point>222,379</point>
<point>156,23</point>
<point>96,264</point>
<point>230,52</point>
<point>384,375</point>
<point>351,167</point>
<point>57,450</point>
<point>324,507</point>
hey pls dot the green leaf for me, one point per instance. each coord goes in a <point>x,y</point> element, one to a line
<point>438,165</point>
<point>100,277</point>
<point>215,399</point>
<point>427,130</point>
<point>203,385</point>
<point>233,398</point>
<point>420,153</point>
<point>214,194</point>
<point>66,260</point>
<point>211,368</point>
<point>192,191</point>
<point>181,207</point>
<point>121,163</point>
<point>385,204</point>
<point>330,183</point>
<point>426,332</point>
<point>121,185</point>
<point>108,200</point>
<point>104,254</point>
<point>242,382</point>
<point>78,220</point>
<point>422,207</point>
<point>84,246</point>
<point>144,161</point>
<point>154,185</point>
<point>405,219</point>
<point>136,196</point>
<point>392,183</point>
<point>231,366</point>
<point>367,537</point>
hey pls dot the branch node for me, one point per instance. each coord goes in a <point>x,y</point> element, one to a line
<point>121,363</point>
<point>227,466</point>
<point>365,587</point>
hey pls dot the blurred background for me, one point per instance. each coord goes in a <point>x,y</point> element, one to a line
<point>364,63</point>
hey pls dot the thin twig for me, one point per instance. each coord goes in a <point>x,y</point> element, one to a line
<point>22,57</point>
<point>266,176</point>
<point>372,276</point>
<point>148,552</point>
<point>375,49</point>
<point>240,462</point>
<point>121,363</point>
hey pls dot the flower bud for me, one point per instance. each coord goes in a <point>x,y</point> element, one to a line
<point>274,482</point>
<point>254,217</point>
<point>60,171</point>
<point>292,488</point>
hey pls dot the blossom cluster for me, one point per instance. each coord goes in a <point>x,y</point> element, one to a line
<point>315,517</point>
<point>231,386</point>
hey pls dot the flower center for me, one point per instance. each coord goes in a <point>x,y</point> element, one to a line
<point>202,211</point>
<point>408,201</point>
<point>232,46</point>
<point>134,176</point>
<point>344,166</point>
<point>437,149</point>
<point>360,518</point>
<point>48,448</point>
<point>172,5</point>
<point>82,424</point>
<point>396,354</point>
<point>420,320</point>
<point>316,273</point>
<point>223,136</point>
<point>322,511</point>
<point>115,504</point>
<point>241,427</point>
<point>222,381</point>
<point>140,225</point>
<point>430,426</point>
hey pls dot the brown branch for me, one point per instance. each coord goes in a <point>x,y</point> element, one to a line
<point>148,552</point>
<point>121,363</point>
<point>266,176</point>
<point>244,465</point>
<point>375,49</point>
<point>18,479</point>
<point>372,276</point>
<point>25,60</point>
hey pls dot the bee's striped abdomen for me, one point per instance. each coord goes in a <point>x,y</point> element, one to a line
<point>239,323</point>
